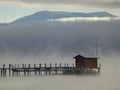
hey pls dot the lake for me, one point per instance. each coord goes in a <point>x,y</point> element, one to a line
<point>61,82</point>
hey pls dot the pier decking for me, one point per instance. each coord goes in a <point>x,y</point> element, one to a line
<point>27,70</point>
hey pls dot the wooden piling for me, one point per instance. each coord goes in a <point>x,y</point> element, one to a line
<point>24,68</point>
<point>45,68</point>
<point>13,70</point>
<point>9,69</point>
<point>28,70</point>
<point>1,72</point>
<point>35,70</point>
<point>50,68</point>
<point>56,68</point>
<point>4,70</point>
<point>39,72</point>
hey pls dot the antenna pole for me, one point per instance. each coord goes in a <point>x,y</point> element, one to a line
<point>96,47</point>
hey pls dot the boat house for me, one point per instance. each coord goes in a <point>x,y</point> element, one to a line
<point>86,63</point>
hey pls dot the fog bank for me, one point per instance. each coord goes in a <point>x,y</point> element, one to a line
<point>66,37</point>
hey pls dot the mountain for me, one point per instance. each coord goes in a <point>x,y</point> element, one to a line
<point>100,14</point>
<point>46,15</point>
<point>3,24</point>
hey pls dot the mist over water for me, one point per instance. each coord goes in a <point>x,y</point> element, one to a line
<point>107,80</point>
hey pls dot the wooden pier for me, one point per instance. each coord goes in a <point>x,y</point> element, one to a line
<point>28,70</point>
<point>83,65</point>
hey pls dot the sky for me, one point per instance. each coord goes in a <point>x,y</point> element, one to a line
<point>11,10</point>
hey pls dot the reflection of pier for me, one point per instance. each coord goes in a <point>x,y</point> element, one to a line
<point>83,66</point>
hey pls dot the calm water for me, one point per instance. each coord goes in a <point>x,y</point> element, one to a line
<point>60,82</point>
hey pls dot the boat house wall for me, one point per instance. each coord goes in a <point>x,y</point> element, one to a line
<point>86,62</point>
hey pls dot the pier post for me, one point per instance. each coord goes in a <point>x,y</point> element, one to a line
<point>13,70</point>
<point>35,70</point>
<point>24,69</point>
<point>18,69</point>
<point>39,69</point>
<point>4,70</point>
<point>1,72</point>
<point>56,68</point>
<point>45,68</point>
<point>9,69</point>
<point>28,70</point>
<point>50,68</point>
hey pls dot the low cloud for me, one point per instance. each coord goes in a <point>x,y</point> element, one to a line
<point>74,19</point>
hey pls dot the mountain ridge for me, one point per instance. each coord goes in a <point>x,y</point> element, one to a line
<point>45,15</point>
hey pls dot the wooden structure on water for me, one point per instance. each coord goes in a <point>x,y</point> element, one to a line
<point>83,65</point>
<point>87,65</point>
<point>83,62</point>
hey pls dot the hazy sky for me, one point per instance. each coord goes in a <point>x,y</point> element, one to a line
<point>13,9</point>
